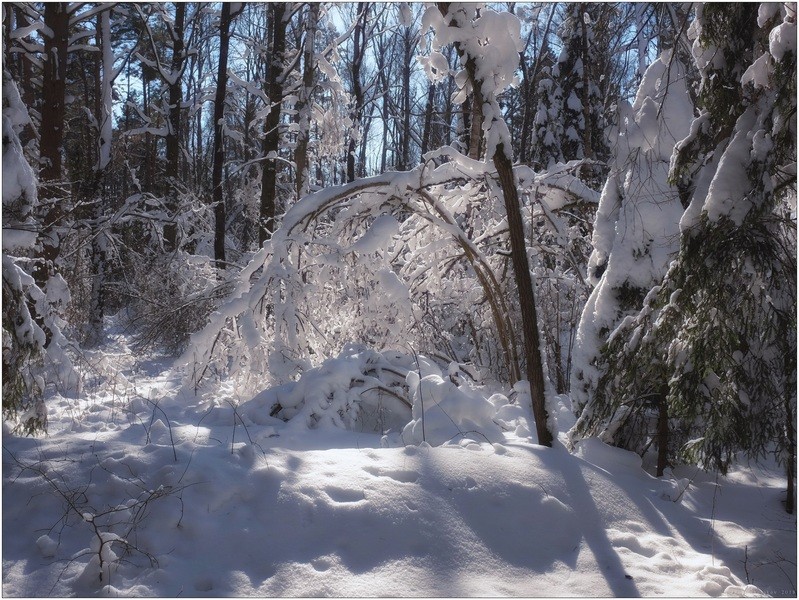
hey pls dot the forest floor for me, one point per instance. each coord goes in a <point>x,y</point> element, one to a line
<point>143,489</point>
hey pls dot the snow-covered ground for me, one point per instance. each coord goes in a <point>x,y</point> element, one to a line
<point>178,495</point>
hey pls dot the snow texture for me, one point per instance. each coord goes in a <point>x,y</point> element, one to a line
<point>220,499</point>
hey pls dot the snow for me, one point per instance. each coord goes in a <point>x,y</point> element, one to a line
<point>19,181</point>
<point>782,39</point>
<point>636,228</point>
<point>379,235</point>
<point>728,194</point>
<point>220,499</point>
<point>494,41</point>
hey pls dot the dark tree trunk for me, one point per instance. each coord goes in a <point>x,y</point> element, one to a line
<point>528,111</point>
<point>359,49</point>
<point>476,123</point>
<point>173,133</point>
<point>524,285</point>
<point>428,119</point>
<point>586,99</point>
<point>790,467</point>
<point>384,110</point>
<point>53,110</point>
<point>521,266</point>
<point>274,90</point>
<point>56,19</point>
<point>663,432</point>
<point>301,161</point>
<point>219,145</point>
<point>405,144</point>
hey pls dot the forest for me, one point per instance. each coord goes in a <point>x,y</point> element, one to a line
<point>535,257</point>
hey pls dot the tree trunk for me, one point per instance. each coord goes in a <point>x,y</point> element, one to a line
<point>104,118</point>
<point>405,144</point>
<point>524,285</point>
<point>173,133</point>
<point>663,432</point>
<point>790,426</point>
<point>428,119</point>
<point>274,90</point>
<point>219,145</point>
<point>528,111</point>
<point>521,266</point>
<point>53,110</point>
<point>359,49</point>
<point>56,19</point>
<point>587,145</point>
<point>304,104</point>
<point>476,124</point>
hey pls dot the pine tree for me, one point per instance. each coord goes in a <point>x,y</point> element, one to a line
<point>548,122</point>
<point>712,355</point>
<point>581,110</point>
<point>636,228</point>
<point>23,338</point>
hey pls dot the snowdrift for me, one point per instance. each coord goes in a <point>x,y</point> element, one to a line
<point>150,491</point>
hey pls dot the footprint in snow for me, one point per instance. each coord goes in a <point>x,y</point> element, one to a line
<point>344,495</point>
<point>321,564</point>
<point>400,475</point>
<point>204,584</point>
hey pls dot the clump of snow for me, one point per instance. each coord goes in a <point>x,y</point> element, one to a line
<point>379,235</point>
<point>493,41</point>
<point>47,546</point>
<point>448,409</point>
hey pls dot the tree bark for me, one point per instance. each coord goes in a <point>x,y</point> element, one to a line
<point>56,18</point>
<point>663,432</point>
<point>524,286</point>
<point>521,266</point>
<point>359,49</point>
<point>274,90</point>
<point>588,143</point>
<point>304,104</point>
<point>790,427</point>
<point>219,142</point>
<point>405,144</point>
<point>428,119</point>
<point>173,133</point>
<point>104,118</point>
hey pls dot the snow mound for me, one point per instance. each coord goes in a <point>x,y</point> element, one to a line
<point>407,398</point>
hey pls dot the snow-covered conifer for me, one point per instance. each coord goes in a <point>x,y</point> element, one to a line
<point>581,111</point>
<point>548,122</point>
<point>714,348</point>
<point>23,339</point>
<point>636,229</point>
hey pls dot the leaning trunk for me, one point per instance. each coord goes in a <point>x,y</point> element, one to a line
<point>521,266</point>
<point>524,286</point>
